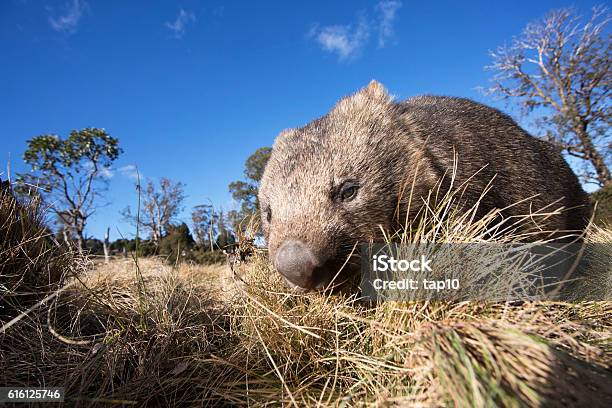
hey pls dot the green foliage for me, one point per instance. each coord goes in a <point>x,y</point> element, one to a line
<point>246,194</point>
<point>177,243</point>
<point>225,238</point>
<point>603,212</point>
<point>145,247</point>
<point>256,164</point>
<point>90,145</point>
<point>94,246</point>
<point>70,174</point>
<point>121,243</point>
<point>179,246</point>
<point>205,257</point>
<point>245,191</point>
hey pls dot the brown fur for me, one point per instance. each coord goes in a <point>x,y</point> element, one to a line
<point>379,143</point>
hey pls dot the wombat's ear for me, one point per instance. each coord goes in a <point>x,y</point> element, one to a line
<point>373,98</point>
<point>372,95</point>
<point>375,90</point>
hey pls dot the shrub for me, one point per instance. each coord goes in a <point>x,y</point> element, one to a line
<point>203,257</point>
<point>177,243</point>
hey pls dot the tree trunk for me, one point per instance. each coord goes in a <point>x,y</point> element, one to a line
<point>159,235</point>
<point>106,245</point>
<point>78,229</point>
<point>65,235</point>
<point>603,173</point>
<point>155,236</point>
<point>592,155</point>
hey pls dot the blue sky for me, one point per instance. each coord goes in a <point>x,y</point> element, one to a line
<point>191,88</point>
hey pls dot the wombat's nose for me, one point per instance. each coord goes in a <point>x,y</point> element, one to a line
<point>298,264</point>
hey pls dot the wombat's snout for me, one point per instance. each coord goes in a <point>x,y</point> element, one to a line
<point>296,262</point>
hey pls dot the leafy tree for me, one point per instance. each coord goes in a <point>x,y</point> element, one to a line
<point>245,192</point>
<point>207,257</point>
<point>559,70</point>
<point>94,246</point>
<point>70,174</point>
<point>121,244</point>
<point>160,205</point>
<point>177,243</point>
<point>225,238</point>
<point>204,220</point>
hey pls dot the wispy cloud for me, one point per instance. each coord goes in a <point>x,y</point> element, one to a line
<point>104,171</point>
<point>387,10</point>
<point>347,41</point>
<point>69,20</point>
<point>107,172</point>
<point>344,40</point>
<point>130,171</point>
<point>178,26</point>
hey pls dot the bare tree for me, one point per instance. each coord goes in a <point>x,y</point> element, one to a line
<point>558,70</point>
<point>160,206</point>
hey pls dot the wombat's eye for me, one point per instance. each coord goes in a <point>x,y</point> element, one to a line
<point>348,191</point>
<point>268,214</point>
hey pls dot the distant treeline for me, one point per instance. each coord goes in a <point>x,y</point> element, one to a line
<point>176,245</point>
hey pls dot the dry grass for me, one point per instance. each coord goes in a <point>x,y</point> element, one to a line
<point>32,264</point>
<point>337,351</point>
<point>258,344</point>
<point>200,336</point>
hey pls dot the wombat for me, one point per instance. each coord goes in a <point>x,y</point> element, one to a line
<point>343,177</point>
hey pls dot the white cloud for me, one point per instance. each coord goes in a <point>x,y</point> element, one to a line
<point>343,40</point>
<point>69,21</point>
<point>177,27</point>
<point>347,41</point>
<point>387,10</point>
<point>107,172</point>
<point>130,171</point>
